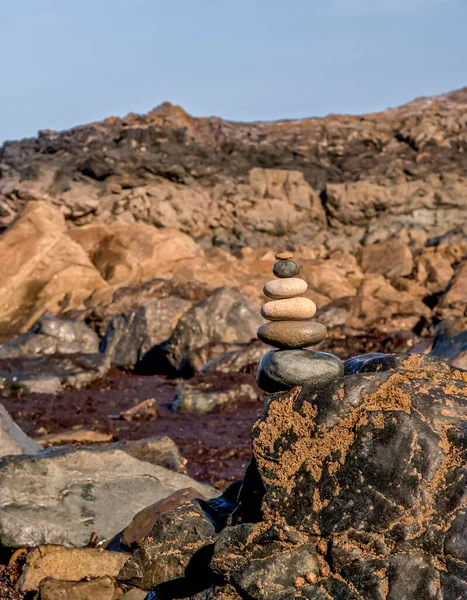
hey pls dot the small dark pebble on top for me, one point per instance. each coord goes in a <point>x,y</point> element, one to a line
<point>286,268</point>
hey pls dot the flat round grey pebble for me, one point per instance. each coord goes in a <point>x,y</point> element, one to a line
<point>286,268</point>
<point>280,370</point>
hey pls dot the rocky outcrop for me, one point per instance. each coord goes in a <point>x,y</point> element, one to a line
<point>354,491</point>
<point>41,269</point>
<point>134,252</point>
<point>235,184</point>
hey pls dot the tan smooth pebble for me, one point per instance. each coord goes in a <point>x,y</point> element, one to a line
<point>277,289</point>
<point>284,255</point>
<point>292,334</point>
<point>290,309</point>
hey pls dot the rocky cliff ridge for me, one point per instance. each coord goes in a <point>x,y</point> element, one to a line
<point>340,180</point>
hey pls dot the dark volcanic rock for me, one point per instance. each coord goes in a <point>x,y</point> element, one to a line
<point>450,344</point>
<point>224,317</point>
<point>134,534</point>
<point>131,336</point>
<point>355,492</point>
<point>179,540</point>
<point>373,467</point>
<point>264,560</point>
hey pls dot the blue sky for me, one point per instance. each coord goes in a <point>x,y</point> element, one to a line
<point>69,62</point>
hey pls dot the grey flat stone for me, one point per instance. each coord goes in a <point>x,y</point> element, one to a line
<point>62,497</point>
<point>49,374</point>
<point>279,370</point>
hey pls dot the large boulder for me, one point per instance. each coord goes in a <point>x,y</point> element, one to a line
<point>373,467</point>
<point>42,269</point>
<point>129,252</point>
<point>130,336</point>
<point>62,497</point>
<point>225,317</point>
<point>52,336</point>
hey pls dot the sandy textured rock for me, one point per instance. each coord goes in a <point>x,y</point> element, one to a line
<point>372,467</point>
<point>68,564</point>
<point>102,588</point>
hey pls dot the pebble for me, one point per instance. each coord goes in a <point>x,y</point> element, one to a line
<point>280,370</point>
<point>284,255</point>
<point>285,288</point>
<point>290,309</point>
<point>286,268</point>
<point>292,334</point>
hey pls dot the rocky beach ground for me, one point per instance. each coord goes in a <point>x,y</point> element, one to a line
<point>133,258</point>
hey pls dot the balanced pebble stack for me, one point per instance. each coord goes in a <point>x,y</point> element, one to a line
<point>292,331</point>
